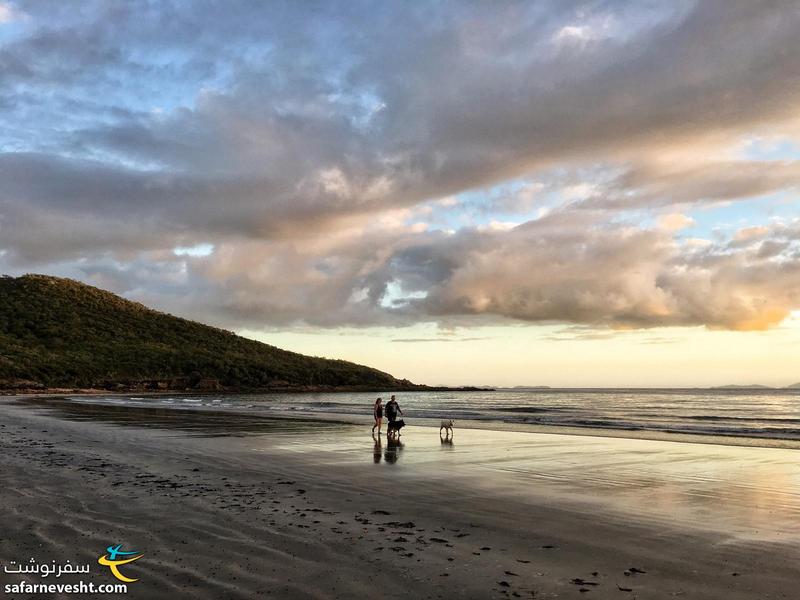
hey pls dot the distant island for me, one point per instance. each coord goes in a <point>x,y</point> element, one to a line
<point>753,386</point>
<point>756,386</point>
<point>58,334</point>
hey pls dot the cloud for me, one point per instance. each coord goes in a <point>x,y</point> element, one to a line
<point>563,268</point>
<point>9,13</point>
<point>314,152</point>
<point>424,340</point>
<point>572,33</point>
<point>557,270</point>
<point>697,181</point>
<point>749,233</point>
<point>675,221</point>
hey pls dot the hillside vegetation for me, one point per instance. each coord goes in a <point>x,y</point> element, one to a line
<point>60,333</point>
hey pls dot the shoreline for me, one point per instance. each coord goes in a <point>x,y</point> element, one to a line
<point>722,439</point>
<point>200,391</point>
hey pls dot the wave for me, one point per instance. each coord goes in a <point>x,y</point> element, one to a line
<point>754,431</point>
<point>529,409</point>
<point>741,419</point>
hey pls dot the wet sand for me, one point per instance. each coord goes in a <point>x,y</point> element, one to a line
<point>235,506</point>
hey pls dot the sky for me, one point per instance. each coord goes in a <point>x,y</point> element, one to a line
<point>464,193</point>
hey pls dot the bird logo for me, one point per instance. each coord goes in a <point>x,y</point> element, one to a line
<point>115,557</point>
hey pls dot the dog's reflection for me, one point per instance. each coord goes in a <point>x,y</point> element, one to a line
<point>446,442</point>
<point>393,448</point>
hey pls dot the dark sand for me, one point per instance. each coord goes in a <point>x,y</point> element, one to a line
<point>231,506</point>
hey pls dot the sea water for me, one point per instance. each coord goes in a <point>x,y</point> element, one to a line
<point>717,412</point>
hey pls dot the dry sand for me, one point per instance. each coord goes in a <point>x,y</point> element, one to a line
<point>229,506</point>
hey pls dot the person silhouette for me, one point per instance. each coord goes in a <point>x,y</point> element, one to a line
<point>392,409</point>
<point>377,413</point>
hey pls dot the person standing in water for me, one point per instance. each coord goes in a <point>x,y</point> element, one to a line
<point>377,412</point>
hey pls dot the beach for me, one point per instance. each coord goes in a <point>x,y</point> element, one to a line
<point>224,504</point>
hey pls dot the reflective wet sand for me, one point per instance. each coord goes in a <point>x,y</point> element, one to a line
<point>207,423</point>
<point>738,492</point>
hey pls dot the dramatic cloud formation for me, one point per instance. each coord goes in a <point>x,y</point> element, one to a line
<point>361,163</point>
<point>560,270</point>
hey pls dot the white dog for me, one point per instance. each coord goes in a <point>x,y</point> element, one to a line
<point>447,425</point>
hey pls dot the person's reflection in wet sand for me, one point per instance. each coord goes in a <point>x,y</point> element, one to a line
<point>376,453</point>
<point>447,442</point>
<point>393,448</point>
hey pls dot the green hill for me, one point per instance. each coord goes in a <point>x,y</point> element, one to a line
<point>60,333</point>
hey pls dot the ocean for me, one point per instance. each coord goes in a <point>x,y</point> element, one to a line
<point>773,414</point>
